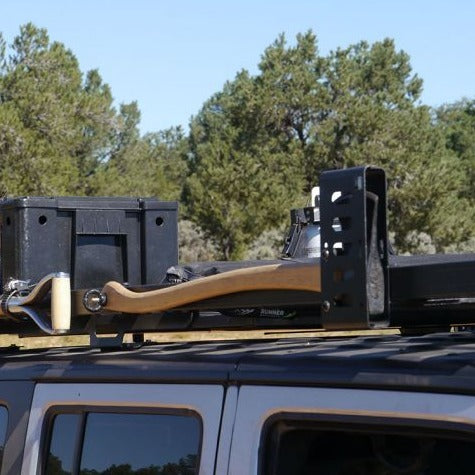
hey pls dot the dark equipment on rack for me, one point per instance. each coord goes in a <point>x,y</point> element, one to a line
<point>355,284</point>
<point>95,240</point>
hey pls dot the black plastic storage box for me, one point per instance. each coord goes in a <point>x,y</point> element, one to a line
<point>130,240</point>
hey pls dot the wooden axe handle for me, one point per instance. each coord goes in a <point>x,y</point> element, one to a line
<point>294,276</point>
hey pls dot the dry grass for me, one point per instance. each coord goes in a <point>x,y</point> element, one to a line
<point>58,341</point>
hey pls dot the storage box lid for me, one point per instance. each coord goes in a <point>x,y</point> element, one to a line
<point>86,202</point>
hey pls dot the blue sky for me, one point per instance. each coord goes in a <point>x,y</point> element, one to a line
<point>171,56</point>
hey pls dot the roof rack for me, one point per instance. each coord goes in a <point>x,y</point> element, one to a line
<point>117,251</point>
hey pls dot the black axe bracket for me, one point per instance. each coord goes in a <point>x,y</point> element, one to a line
<point>354,262</point>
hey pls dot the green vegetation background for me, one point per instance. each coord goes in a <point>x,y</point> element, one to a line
<point>254,149</point>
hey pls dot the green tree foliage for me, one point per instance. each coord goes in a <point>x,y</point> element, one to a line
<point>153,165</point>
<point>192,244</point>
<point>270,135</point>
<point>268,245</point>
<point>254,149</point>
<point>242,181</point>
<point>457,122</point>
<point>54,126</point>
<point>60,134</point>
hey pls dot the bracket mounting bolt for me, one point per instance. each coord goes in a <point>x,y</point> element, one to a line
<point>93,300</point>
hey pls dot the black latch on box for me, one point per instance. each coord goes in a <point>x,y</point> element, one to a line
<point>95,240</point>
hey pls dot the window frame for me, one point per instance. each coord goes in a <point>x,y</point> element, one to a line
<point>6,428</point>
<point>16,397</point>
<point>205,400</point>
<point>84,411</point>
<point>257,404</point>
<point>359,424</point>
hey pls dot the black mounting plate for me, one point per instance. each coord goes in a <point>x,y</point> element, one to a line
<point>354,263</point>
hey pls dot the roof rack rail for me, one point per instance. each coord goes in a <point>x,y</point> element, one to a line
<point>355,284</point>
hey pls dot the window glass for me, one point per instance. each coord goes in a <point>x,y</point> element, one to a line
<point>66,431</point>
<point>297,448</point>
<point>130,443</point>
<point>124,444</point>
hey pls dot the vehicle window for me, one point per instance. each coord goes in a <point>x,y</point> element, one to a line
<point>298,448</point>
<point>66,430</point>
<point>3,430</point>
<point>123,443</point>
